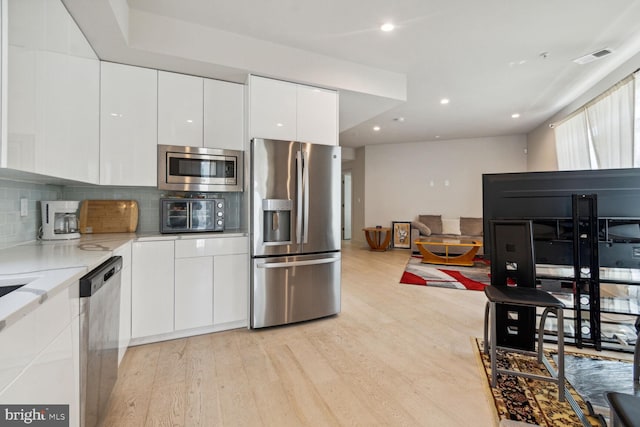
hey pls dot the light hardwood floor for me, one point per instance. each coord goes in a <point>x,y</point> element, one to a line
<point>397,355</point>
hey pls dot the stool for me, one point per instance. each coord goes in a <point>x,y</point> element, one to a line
<point>624,409</point>
<point>527,297</point>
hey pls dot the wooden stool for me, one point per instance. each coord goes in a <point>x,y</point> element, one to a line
<point>527,297</point>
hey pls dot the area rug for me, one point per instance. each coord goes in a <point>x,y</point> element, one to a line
<point>447,276</point>
<point>527,400</point>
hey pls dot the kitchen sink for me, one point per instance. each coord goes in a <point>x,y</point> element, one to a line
<point>9,284</point>
<point>9,288</point>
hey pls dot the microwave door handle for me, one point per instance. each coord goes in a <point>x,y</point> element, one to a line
<point>188,215</point>
<point>299,184</point>
<point>305,185</point>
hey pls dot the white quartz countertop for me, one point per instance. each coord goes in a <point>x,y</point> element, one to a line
<point>88,252</point>
<point>49,265</point>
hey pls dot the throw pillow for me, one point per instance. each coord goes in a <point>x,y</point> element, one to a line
<point>471,226</point>
<point>434,222</point>
<point>424,230</point>
<point>451,226</point>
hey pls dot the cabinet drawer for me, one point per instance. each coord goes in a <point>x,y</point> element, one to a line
<point>211,246</point>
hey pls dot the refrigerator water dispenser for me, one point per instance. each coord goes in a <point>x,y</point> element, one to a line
<point>277,220</point>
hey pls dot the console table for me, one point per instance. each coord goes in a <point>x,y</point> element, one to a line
<point>375,240</point>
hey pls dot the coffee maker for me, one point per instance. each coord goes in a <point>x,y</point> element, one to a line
<point>59,220</point>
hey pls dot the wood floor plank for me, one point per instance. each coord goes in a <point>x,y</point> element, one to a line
<point>202,406</point>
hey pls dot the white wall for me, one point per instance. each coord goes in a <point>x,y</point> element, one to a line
<point>357,169</point>
<point>398,176</point>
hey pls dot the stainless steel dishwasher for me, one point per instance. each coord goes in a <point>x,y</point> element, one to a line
<point>99,334</point>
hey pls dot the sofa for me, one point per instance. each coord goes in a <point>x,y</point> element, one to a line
<point>434,227</point>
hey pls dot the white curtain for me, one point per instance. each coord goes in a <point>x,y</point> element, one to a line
<point>572,143</point>
<point>611,123</point>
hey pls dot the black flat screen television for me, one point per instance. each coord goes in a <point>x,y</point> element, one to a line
<point>545,198</point>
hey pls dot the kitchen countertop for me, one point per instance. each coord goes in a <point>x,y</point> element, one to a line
<point>47,266</point>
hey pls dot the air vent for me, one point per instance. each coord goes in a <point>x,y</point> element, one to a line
<point>592,56</point>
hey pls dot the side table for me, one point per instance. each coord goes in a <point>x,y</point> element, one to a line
<point>375,240</point>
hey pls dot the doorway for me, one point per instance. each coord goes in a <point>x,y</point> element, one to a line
<point>346,205</point>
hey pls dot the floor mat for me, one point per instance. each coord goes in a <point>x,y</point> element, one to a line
<point>527,400</point>
<point>446,276</point>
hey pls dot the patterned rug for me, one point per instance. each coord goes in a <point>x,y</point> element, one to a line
<point>530,401</point>
<point>447,276</point>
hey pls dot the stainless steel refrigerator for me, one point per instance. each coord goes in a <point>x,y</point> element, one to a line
<point>295,231</point>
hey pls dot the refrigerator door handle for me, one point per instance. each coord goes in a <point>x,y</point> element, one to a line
<point>306,196</point>
<point>297,263</point>
<point>299,198</point>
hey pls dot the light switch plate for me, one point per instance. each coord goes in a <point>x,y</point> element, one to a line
<point>24,206</point>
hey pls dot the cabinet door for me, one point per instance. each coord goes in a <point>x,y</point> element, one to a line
<point>194,292</point>
<point>272,111</point>
<point>52,378</point>
<point>152,288</point>
<point>317,117</point>
<point>125,300</point>
<point>231,285</point>
<point>128,125</point>
<point>180,109</point>
<point>223,115</point>
<point>53,96</point>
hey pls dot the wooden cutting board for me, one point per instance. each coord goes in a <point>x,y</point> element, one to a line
<point>108,216</point>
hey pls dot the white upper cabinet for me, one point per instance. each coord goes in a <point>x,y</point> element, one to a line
<point>128,125</point>
<point>317,115</point>
<point>52,93</point>
<point>272,109</point>
<point>223,115</point>
<point>180,109</point>
<point>289,111</point>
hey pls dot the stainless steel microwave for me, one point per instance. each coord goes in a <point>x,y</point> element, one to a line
<point>199,169</point>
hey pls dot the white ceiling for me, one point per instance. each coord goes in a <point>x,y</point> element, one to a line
<point>485,56</point>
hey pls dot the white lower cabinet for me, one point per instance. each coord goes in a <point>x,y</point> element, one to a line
<point>204,290</point>
<point>194,292</point>
<point>39,355</point>
<point>230,291</point>
<point>152,288</point>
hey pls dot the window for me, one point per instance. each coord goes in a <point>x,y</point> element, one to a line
<point>600,135</point>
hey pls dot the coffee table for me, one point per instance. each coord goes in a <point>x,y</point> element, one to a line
<point>465,259</point>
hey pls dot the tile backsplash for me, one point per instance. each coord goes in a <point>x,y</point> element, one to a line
<point>15,229</point>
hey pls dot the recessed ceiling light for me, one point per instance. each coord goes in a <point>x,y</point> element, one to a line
<point>387,26</point>
<point>444,101</point>
<point>515,115</point>
<point>279,125</point>
<point>516,63</point>
<point>376,128</point>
